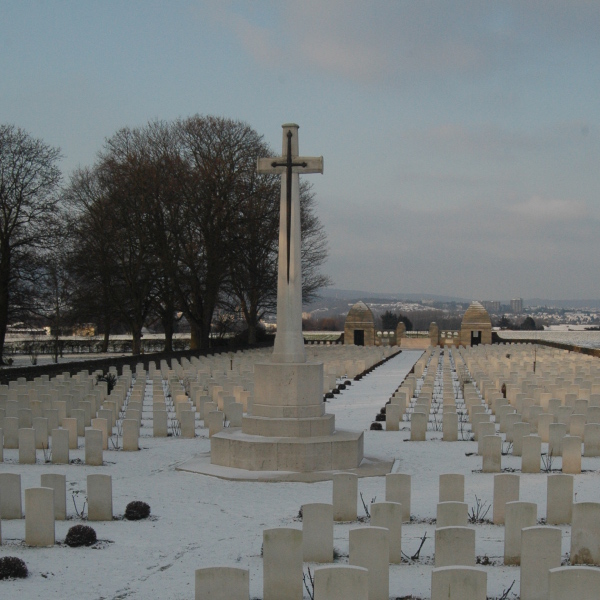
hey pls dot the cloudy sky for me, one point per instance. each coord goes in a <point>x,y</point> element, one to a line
<point>461,139</point>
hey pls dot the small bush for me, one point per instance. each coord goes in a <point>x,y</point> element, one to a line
<point>380,417</point>
<point>376,427</point>
<point>137,510</point>
<point>81,535</point>
<point>12,567</point>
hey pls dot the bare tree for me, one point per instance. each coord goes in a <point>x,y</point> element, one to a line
<point>221,156</point>
<point>89,260</point>
<point>29,179</point>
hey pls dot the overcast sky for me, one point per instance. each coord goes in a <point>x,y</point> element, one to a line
<point>461,139</point>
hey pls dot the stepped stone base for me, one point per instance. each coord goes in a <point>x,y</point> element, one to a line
<point>342,450</point>
<point>311,427</point>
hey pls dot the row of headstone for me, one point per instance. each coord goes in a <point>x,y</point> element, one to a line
<point>52,504</point>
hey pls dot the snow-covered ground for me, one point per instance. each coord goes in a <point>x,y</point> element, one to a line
<point>200,521</point>
<point>562,334</point>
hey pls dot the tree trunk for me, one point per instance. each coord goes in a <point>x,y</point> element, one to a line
<point>169,328</point>
<point>195,336</point>
<point>136,346</point>
<point>251,333</point>
<point>105,339</point>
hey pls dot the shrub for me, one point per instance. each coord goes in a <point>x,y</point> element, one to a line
<point>376,427</point>
<point>80,535</point>
<point>137,510</point>
<point>12,567</point>
<point>380,417</point>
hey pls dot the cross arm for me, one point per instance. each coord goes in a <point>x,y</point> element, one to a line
<point>301,164</point>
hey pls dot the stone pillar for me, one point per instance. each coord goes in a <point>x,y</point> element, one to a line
<point>518,516</point>
<point>452,487</point>
<point>532,452</point>
<point>574,583</point>
<point>99,494</point>
<point>370,549</point>
<point>506,489</point>
<point>397,489</point>
<point>60,447</point>
<point>559,500</point>
<point>222,583</point>
<point>540,552</point>
<point>27,446</point>
<point>585,534</point>
<point>58,483</point>
<point>317,533</point>
<point>282,564</point>
<point>341,582</point>
<point>418,427</point>
<point>345,496</point>
<point>454,546</point>
<point>389,516</point>
<point>492,454</point>
<point>452,514</point>
<point>571,456</point>
<point>458,583</point>
<point>10,496</point>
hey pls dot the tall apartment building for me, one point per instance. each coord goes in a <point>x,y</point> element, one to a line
<point>516,306</point>
<point>492,306</point>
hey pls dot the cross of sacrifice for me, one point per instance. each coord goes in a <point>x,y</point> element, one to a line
<point>286,165</point>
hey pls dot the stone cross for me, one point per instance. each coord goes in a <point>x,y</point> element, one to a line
<point>289,342</point>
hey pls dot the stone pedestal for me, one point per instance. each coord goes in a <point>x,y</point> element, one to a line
<point>288,429</point>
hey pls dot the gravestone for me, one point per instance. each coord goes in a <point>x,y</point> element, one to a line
<point>317,532</point>
<point>345,496</point>
<point>99,494</point>
<point>10,496</point>
<point>60,447</point>
<point>39,517</point>
<point>58,483</point>
<point>454,546</point>
<point>398,489</point>
<point>370,549</point>
<point>282,564</point>
<point>222,583</point>
<point>458,583</point>
<point>389,516</point>
<point>341,582</point>
<point>540,552</point>
<point>518,515</point>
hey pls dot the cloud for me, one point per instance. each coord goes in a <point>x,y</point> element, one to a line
<point>550,209</point>
<point>395,41</point>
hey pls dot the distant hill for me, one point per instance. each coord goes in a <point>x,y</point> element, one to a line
<point>335,298</point>
<point>361,295</point>
<point>562,303</point>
